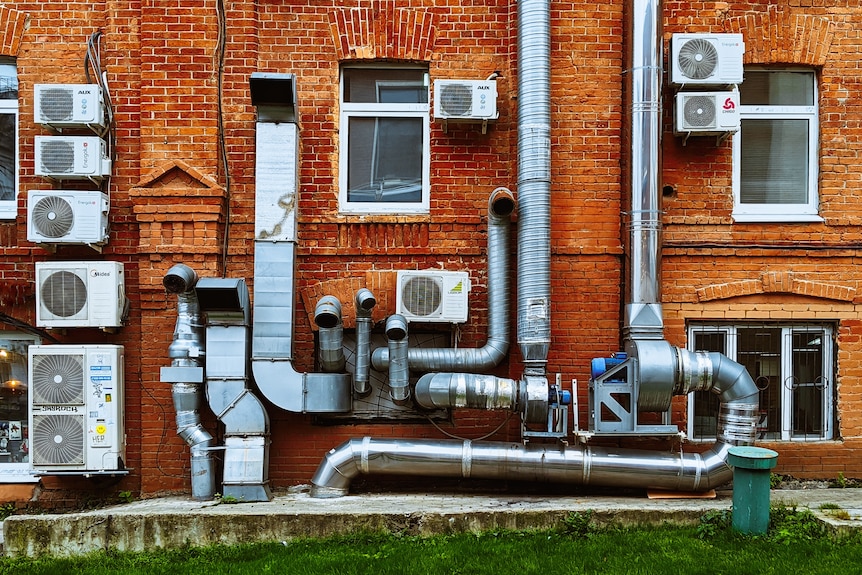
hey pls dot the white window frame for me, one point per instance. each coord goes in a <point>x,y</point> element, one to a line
<point>9,208</point>
<point>19,472</point>
<point>786,368</point>
<point>376,110</point>
<point>803,212</point>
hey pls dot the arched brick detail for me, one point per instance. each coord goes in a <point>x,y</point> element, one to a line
<point>383,31</point>
<point>777,282</point>
<point>12,24</point>
<point>783,36</point>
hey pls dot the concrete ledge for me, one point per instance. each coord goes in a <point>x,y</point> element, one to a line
<point>175,522</point>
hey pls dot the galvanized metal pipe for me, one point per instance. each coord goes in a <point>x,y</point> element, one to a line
<point>399,372</point>
<point>364,302</point>
<point>187,350</point>
<point>501,204</point>
<point>327,316</point>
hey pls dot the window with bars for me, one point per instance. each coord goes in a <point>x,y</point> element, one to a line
<point>8,139</point>
<point>792,366</point>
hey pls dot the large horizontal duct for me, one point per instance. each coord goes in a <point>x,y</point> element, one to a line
<point>574,464</point>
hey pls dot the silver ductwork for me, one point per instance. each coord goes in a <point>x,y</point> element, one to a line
<point>559,463</point>
<point>327,316</point>
<point>501,204</point>
<point>186,375</point>
<point>399,372</point>
<point>276,197</point>
<point>364,302</point>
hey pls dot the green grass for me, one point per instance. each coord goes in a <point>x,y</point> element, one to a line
<point>796,543</point>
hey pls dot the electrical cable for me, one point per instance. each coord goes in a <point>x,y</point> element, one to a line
<point>220,55</point>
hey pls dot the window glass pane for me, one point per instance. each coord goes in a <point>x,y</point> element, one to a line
<point>384,159</point>
<point>8,81</point>
<point>777,88</point>
<point>14,436</point>
<point>397,85</point>
<point>808,384</point>
<point>759,351</point>
<point>8,145</point>
<point>774,161</point>
<point>706,403</point>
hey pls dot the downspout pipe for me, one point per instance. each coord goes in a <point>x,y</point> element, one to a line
<point>570,464</point>
<point>501,204</point>
<point>364,302</point>
<point>186,375</point>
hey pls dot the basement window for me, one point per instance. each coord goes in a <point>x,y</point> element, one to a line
<point>384,138</point>
<point>8,139</point>
<point>775,152</point>
<point>14,408</point>
<point>793,367</point>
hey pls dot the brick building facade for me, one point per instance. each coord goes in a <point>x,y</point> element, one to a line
<point>182,190</point>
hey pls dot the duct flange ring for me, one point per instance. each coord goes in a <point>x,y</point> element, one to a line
<point>535,399</point>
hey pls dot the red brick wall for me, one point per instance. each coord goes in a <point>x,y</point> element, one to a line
<point>174,200</point>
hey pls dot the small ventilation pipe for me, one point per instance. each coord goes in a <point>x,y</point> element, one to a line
<point>186,376</point>
<point>327,316</point>
<point>399,372</point>
<point>568,464</point>
<point>364,303</point>
<point>501,204</point>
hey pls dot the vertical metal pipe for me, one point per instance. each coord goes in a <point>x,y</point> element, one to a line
<point>327,316</point>
<point>399,372</point>
<point>364,303</point>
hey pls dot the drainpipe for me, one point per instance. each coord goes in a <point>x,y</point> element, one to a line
<point>501,204</point>
<point>327,316</point>
<point>186,375</point>
<point>571,464</point>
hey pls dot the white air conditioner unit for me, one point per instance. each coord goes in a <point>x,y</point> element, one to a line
<point>72,106</point>
<point>80,294</point>
<point>433,296</point>
<point>465,100</point>
<point>76,408</point>
<point>72,157</point>
<point>706,59</point>
<point>67,217</point>
<point>706,113</point>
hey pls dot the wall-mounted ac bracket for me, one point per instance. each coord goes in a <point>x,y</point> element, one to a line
<point>446,125</point>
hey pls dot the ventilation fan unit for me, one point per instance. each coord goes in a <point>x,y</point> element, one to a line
<point>72,106</point>
<point>72,157</point>
<point>80,294</point>
<point>76,409</point>
<point>465,100</point>
<point>433,296</point>
<point>706,113</point>
<point>706,59</point>
<point>67,217</point>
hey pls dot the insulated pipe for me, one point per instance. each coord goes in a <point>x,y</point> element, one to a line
<point>187,351</point>
<point>534,183</point>
<point>327,316</point>
<point>457,390</point>
<point>501,204</point>
<point>574,464</point>
<point>399,372</point>
<point>642,169</point>
<point>364,303</point>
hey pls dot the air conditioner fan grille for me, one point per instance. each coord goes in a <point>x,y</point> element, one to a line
<point>58,439</point>
<point>699,111</point>
<point>53,217</point>
<point>58,156</point>
<point>58,379</point>
<point>422,296</point>
<point>56,104</point>
<point>63,293</point>
<point>456,99</point>
<point>697,59</point>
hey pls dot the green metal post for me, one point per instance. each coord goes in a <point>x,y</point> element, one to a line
<point>751,467</point>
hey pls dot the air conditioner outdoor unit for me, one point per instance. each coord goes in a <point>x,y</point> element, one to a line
<point>80,294</point>
<point>72,157</point>
<point>67,217</point>
<point>465,100</point>
<point>706,59</point>
<point>706,113</point>
<point>433,296</point>
<point>71,106</point>
<point>76,409</point>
